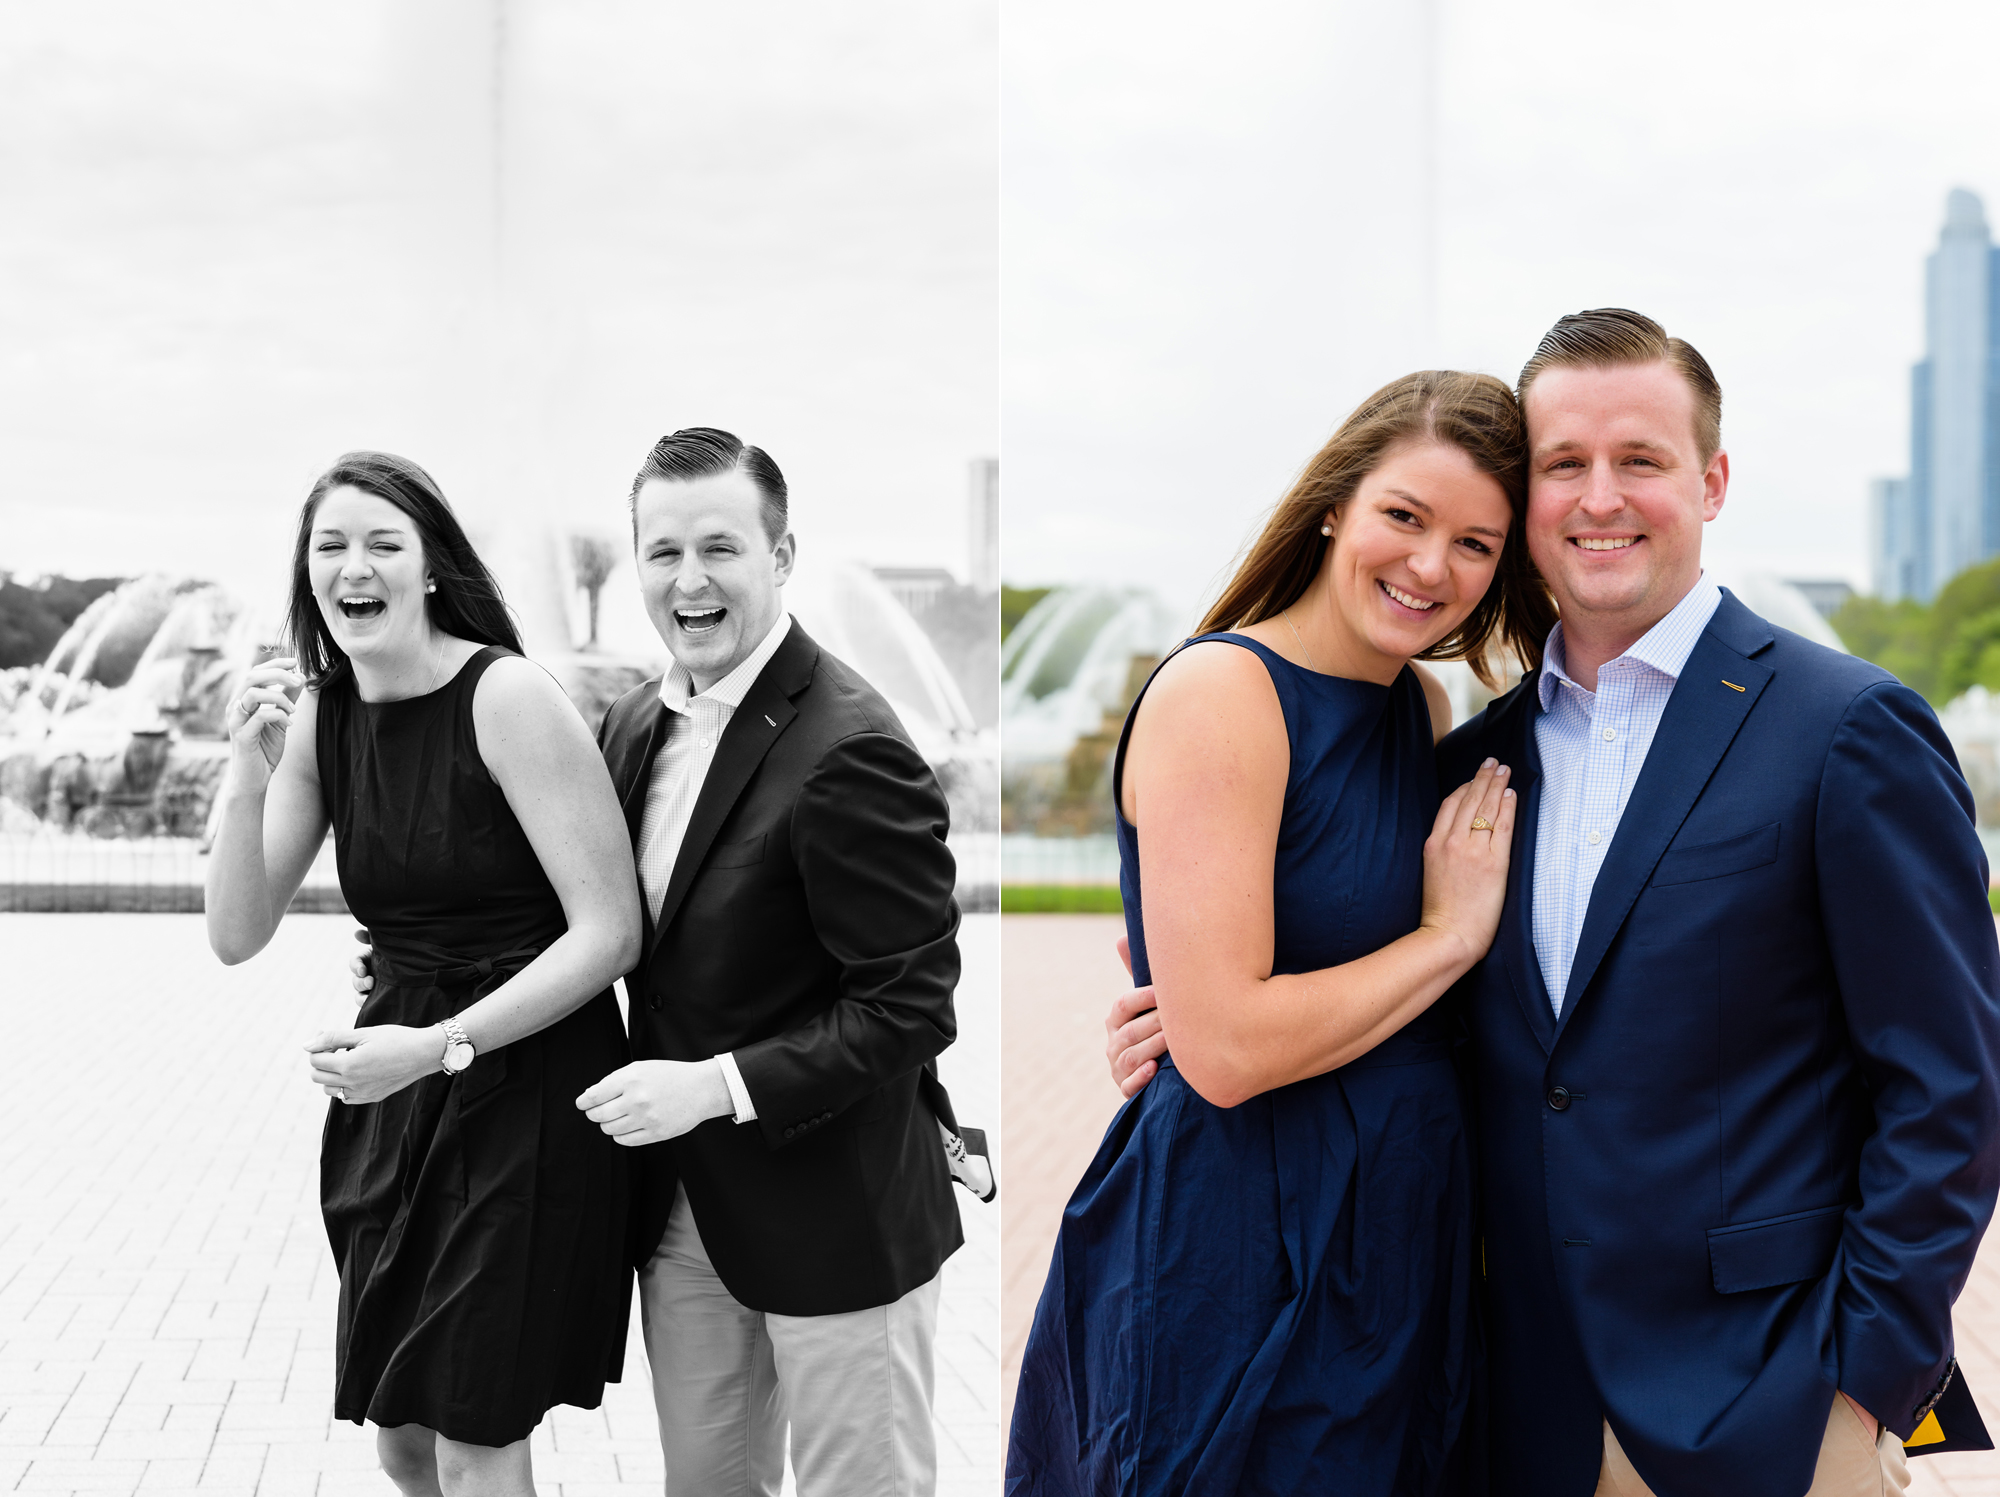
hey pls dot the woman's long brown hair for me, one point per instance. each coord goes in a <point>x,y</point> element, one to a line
<point>1475,413</point>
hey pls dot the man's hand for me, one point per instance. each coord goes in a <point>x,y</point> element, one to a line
<point>362,967</point>
<point>651,1101</point>
<point>1134,1039</point>
<point>1868,1421</point>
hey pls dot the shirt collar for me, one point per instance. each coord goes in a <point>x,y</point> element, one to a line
<point>677,685</point>
<point>1665,647</point>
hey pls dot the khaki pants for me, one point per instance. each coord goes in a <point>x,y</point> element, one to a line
<point>855,1389</point>
<point>1850,1464</point>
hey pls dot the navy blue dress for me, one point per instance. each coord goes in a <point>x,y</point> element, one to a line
<point>1276,1298</point>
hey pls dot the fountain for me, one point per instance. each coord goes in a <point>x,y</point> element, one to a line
<point>118,735</point>
<point>1066,664</point>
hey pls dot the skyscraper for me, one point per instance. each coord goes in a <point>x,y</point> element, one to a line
<point>1893,539</point>
<point>1946,516</point>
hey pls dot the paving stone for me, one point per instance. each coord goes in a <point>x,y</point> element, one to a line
<point>166,1294</point>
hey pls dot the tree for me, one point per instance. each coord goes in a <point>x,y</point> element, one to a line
<point>592,557</point>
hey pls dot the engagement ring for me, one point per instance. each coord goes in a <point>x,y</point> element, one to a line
<point>341,1095</point>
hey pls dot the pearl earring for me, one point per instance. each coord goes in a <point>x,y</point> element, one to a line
<point>1326,530</point>
<point>430,587</point>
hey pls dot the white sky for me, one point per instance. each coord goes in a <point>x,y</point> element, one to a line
<point>238,237</point>
<point>1213,229</point>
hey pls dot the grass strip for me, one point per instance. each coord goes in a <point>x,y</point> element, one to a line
<point>1060,899</point>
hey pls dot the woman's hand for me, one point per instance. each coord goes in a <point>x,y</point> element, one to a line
<point>1465,860</point>
<point>375,1062</point>
<point>258,718</point>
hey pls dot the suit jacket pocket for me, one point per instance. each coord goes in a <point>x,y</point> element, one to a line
<point>1686,865</point>
<point>1777,1250</point>
<point>737,854</point>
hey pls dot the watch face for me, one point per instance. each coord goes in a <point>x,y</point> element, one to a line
<point>457,1057</point>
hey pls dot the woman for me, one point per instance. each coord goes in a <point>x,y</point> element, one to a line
<point>1262,1283</point>
<point>477,1218</point>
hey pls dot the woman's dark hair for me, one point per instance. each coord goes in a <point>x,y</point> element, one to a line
<point>1475,413</point>
<point>702,451</point>
<point>467,602</point>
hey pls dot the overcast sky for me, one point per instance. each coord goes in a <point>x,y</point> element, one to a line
<point>238,237</point>
<point>1214,224</point>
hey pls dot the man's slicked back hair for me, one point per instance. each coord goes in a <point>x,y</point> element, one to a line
<point>702,452</point>
<point>1612,337</point>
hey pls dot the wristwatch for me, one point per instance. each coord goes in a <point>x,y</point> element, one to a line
<point>458,1051</point>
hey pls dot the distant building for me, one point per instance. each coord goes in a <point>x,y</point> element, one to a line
<point>1893,540</point>
<point>983,525</point>
<point>1946,516</point>
<point>1826,596</point>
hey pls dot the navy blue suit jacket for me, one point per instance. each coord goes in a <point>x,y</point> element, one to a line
<point>1752,1161</point>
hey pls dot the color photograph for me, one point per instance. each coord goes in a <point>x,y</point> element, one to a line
<point>1558,1051</point>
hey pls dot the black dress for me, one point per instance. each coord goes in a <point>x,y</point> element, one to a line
<point>477,1222</point>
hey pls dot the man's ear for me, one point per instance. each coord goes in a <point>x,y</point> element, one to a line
<point>783,555</point>
<point>1715,486</point>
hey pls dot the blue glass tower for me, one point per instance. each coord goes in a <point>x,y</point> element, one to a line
<point>1946,517</point>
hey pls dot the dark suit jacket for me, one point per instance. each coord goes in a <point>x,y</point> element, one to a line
<point>809,927</point>
<point>1752,1162</point>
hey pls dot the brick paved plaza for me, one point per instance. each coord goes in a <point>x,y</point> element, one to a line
<point>1060,974</point>
<point>166,1294</point>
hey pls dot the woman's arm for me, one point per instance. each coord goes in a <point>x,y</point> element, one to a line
<point>1205,783</point>
<point>537,748</point>
<point>273,818</point>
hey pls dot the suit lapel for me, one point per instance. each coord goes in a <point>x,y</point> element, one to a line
<point>1515,746</point>
<point>766,711</point>
<point>1702,718</point>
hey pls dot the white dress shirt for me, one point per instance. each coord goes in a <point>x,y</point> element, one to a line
<point>1593,745</point>
<point>678,773</point>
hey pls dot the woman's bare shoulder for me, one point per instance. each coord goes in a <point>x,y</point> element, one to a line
<point>1211,692</point>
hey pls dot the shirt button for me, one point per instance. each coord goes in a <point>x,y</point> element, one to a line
<point>1594,838</point>
<point>704,742</point>
<point>1609,734</point>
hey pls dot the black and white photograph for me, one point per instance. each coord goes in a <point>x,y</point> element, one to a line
<point>499,748</point>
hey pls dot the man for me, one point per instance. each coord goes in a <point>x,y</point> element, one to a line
<point>1734,1042</point>
<point>794,1206</point>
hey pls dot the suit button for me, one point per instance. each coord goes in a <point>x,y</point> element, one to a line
<point>790,1131</point>
<point>826,1117</point>
<point>1558,1097</point>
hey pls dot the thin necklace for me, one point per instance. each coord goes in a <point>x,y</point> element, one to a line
<point>1286,615</point>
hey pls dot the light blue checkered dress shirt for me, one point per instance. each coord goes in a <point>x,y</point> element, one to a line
<point>1593,745</point>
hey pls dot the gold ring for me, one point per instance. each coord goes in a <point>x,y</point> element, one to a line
<point>1481,824</point>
